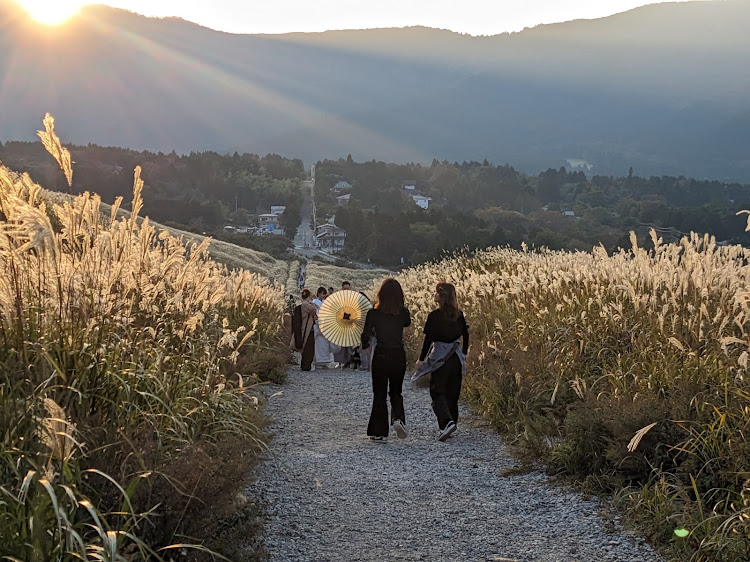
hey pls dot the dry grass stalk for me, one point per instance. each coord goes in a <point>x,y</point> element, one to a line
<point>53,145</point>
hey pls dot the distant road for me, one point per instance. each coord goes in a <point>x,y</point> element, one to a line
<point>304,239</point>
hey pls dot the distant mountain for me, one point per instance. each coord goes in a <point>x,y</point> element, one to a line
<point>664,89</point>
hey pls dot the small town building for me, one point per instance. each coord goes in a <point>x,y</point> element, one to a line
<point>267,219</point>
<point>422,200</point>
<point>278,209</point>
<point>409,185</point>
<point>342,186</point>
<point>342,200</point>
<point>330,238</point>
<point>268,223</point>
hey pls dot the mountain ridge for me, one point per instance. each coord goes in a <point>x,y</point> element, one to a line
<point>599,90</point>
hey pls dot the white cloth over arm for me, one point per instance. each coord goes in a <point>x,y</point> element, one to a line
<point>439,353</point>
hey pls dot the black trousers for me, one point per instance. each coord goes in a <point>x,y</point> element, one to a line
<point>308,352</point>
<point>445,389</point>
<point>388,368</point>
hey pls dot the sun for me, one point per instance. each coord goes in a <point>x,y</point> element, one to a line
<point>52,12</point>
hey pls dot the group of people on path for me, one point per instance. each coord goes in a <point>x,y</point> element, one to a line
<point>443,354</point>
<point>315,348</point>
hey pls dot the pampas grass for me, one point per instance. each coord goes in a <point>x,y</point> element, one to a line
<point>623,370</point>
<point>121,347</point>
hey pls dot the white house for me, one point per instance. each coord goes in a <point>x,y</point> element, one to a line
<point>569,213</point>
<point>342,200</point>
<point>278,209</point>
<point>341,186</point>
<point>267,219</point>
<point>422,200</point>
<point>409,185</point>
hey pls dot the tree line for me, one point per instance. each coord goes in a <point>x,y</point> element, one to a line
<point>199,191</point>
<point>476,204</point>
<point>473,204</point>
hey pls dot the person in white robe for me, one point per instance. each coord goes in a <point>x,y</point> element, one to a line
<point>323,348</point>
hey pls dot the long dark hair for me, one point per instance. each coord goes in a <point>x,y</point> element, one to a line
<point>390,297</point>
<point>447,300</point>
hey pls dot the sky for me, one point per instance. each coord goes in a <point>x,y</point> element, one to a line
<point>476,17</point>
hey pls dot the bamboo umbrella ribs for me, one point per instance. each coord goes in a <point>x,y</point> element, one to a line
<point>342,317</point>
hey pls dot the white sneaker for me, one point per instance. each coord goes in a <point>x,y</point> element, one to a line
<point>447,431</point>
<point>378,439</point>
<point>398,426</point>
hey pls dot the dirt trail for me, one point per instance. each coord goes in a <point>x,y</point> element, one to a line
<point>332,495</point>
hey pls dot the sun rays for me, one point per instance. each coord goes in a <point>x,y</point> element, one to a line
<point>186,78</point>
<point>52,12</point>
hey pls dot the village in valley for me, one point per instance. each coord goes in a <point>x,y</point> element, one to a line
<point>324,235</point>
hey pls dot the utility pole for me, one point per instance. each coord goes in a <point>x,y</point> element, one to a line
<point>312,199</point>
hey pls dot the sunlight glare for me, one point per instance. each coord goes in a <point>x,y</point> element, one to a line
<point>52,12</point>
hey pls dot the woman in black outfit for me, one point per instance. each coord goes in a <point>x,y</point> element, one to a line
<point>386,322</point>
<point>309,318</point>
<point>441,356</point>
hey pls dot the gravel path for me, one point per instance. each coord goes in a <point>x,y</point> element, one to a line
<point>332,495</point>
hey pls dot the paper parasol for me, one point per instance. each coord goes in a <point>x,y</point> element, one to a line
<point>342,317</point>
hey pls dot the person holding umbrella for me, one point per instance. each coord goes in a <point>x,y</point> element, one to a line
<point>342,354</point>
<point>387,322</point>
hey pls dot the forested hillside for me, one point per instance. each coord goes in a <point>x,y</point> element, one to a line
<point>476,205</point>
<point>199,191</point>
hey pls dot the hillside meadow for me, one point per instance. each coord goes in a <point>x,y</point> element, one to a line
<point>129,359</point>
<point>128,369</point>
<point>230,255</point>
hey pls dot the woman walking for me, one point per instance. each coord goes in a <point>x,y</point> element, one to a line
<point>445,357</point>
<point>309,317</point>
<point>386,322</point>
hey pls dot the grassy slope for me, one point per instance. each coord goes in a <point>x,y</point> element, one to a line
<point>231,255</point>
